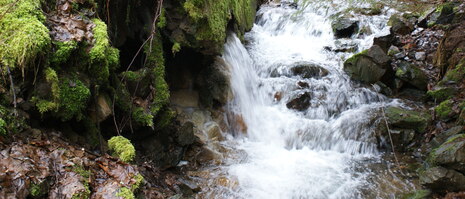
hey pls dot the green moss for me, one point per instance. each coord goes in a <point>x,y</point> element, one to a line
<point>125,193</point>
<point>444,109</point>
<point>122,148</point>
<point>165,118</point>
<point>212,16</point>
<point>162,19</point>
<point>52,103</point>
<point>176,48</point>
<point>103,57</point>
<point>82,172</point>
<point>407,119</point>
<point>138,181</point>
<point>142,117</point>
<point>2,127</point>
<point>35,190</point>
<point>23,36</point>
<point>442,94</point>
<point>455,138</point>
<point>156,62</point>
<point>457,74</point>
<point>62,51</point>
<point>74,96</point>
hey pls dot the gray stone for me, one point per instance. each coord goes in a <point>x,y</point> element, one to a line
<point>412,75</point>
<point>407,119</point>
<point>420,56</point>
<point>186,134</point>
<point>301,102</point>
<point>442,137</point>
<point>450,154</point>
<point>344,27</point>
<point>440,179</point>
<point>368,66</point>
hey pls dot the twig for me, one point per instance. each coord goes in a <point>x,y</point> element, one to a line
<point>7,10</point>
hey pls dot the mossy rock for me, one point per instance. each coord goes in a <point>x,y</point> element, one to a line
<point>451,154</point>
<point>455,75</point>
<point>444,110</point>
<point>440,94</point>
<point>122,148</point>
<point>412,74</point>
<point>368,66</point>
<point>400,25</point>
<point>407,119</point>
<point>444,14</point>
<point>441,180</point>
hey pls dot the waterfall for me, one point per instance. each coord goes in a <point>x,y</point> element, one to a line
<point>319,146</point>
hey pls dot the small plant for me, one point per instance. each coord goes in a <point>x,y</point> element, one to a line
<point>125,193</point>
<point>122,148</point>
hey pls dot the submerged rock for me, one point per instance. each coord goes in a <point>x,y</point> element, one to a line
<point>368,66</point>
<point>301,102</point>
<point>303,69</point>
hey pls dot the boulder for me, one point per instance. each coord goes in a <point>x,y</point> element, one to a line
<point>344,27</point>
<point>407,119</point>
<point>368,66</point>
<point>301,102</point>
<point>384,42</point>
<point>214,84</point>
<point>185,134</point>
<point>412,75</point>
<point>213,131</point>
<point>440,93</point>
<point>302,69</point>
<point>400,25</point>
<point>440,179</point>
<point>451,154</point>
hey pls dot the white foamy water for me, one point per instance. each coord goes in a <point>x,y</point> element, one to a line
<point>317,152</point>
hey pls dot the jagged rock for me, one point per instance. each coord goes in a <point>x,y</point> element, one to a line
<point>412,75</point>
<point>450,154</point>
<point>368,66</point>
<point>440,179</point>
<point>344,27</point>
<point>399,25</point>
<point>208,155</point>
<point>301,102</point>
<point>407,119</point>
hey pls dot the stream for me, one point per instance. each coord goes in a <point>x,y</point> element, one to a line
<point>324,144</point>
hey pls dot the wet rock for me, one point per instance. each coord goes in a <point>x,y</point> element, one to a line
<point>368,66</point>
<point>188,187</point>
<point>344,27</point>
<point>215,88</point>
<point>302,69</point>
<point>382,88</point>
<point>302,84</point>
<point>440,179</point>
<point>393,50</point>
<point>213,131</point>
<point>400,25</point>
<point>209,156</point>
<point>402,137</point>
<point>309,70</point>
<point>301,102</point>
<point>384,42</point>
<point>407,119</point>
<point>450,154</point>
<point>345,45</point>
<point>412,75</point>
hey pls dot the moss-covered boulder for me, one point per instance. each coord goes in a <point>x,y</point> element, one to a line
<point>440,93</point>
<point>368,66</point>
<point>444,110</point>
<point>407,119</point>
<point>412,75</point>
<point>451,154</point>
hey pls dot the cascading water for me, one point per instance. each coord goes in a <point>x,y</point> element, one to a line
<point>319,151</point>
